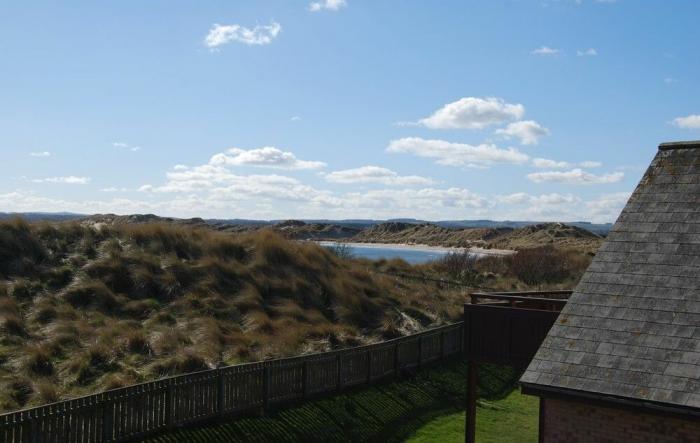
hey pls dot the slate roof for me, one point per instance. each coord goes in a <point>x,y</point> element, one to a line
<point>631,328</point>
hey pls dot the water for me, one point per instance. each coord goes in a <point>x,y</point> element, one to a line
<point>410,254</point>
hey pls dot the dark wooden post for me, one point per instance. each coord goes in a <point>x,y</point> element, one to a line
<point>442,344</point>
<point>340,372</point>
<point>420,350</point>
<point>305,379</point>
<point>220,389</point>
<point>266,387</point>
<point>107,409</point>
<point>369,366</point>
<point>170,405</point>
<point>396,359</point>
<point>33,427</point>
<point>470,421</point>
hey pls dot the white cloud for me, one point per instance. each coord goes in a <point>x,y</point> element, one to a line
<point>545,51</point>
<point>689,122</point>
<point>607,207</point>
<point>70,180</point>
<point>40,154</point>
<point>295,118</point>
<point>590,52</point>
<point>575,177</point>
<point>114,189</point>
<point>670,80</point>
<point>546,163</point>
<point>259,35</point>
<point>528,131</point>
<point>331,5</point>
<point>590,164</point>
<point>375,174</point>
<point>123,145</point>
<point>473,113</point>
<point>457,154</point>
<point>265,157</point>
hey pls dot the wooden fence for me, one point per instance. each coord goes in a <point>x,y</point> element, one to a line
<point>149,408</point>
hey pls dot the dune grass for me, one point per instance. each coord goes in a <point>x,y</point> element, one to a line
<point>87,308</point>
<point>427,407</point>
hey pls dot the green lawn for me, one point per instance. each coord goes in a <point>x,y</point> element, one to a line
<point>427,407</point>
<point>512,419</point>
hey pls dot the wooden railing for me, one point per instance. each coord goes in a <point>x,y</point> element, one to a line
<point>149,408</point>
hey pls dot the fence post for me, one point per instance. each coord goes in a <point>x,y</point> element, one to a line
<point>369,366</point>
<point>266,387</point>
<point>220,389</point>
<point>420,350</point>
<point>33,427</point>
<point>170,405</point>
<point>340,372</point>
<point>107,431</point>
<point>442,344</point>
<point>305,379</point>
<point>396,359</point>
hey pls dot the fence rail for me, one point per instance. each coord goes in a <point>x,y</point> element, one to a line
<point>148,408</point>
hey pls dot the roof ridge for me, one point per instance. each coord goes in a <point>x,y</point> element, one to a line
<point>684,144</point>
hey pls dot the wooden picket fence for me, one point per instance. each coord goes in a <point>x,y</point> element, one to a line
<point>149,408</point>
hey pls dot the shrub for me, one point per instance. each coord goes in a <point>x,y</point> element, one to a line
<point>38,360</point>
<point>13,325</point>
<point>46,392</point>
<point>91,293</point>
<point>341,250</point>
<point>459,266</point>
<point>537,266</point>
<point>20,250</point>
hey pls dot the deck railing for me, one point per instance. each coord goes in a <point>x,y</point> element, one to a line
<point>150,408</point>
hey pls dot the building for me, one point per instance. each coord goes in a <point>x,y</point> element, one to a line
<point>622,360</point>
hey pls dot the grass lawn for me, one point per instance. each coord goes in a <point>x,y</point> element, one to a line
<point>512,419</point>
<point>427,407</point>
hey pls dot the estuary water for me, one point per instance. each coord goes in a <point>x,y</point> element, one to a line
<point>412,254</point>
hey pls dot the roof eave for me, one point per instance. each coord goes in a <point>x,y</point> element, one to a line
<point>597,398</point>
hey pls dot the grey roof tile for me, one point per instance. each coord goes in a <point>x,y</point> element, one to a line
<point>632,324</point>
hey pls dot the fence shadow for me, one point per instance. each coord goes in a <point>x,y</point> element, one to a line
<point>389,412</point>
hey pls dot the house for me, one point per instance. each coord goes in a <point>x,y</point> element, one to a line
<point>622,360</point>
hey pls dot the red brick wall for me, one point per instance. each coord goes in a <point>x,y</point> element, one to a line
<point>573,422</point>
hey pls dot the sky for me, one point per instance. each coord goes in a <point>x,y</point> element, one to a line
<point>435,110</point>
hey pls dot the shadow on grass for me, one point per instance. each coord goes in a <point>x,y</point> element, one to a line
<point>388,412</point>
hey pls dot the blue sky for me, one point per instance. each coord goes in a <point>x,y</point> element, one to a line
<point>502,109</point>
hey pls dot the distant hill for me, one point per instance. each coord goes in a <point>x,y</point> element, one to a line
<point>427,234</point>
<point>556,234</point>
<point>598,228</point>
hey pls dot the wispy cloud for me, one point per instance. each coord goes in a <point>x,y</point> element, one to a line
<point>40,154</point>
<point>688,122</point>
<point>546,163</point>
<point>259,35</point>
<point>457,154</point>
<point>266,157</point>
<point>69,180</point>
<point>330,5</point>
<point>670,80</point>
<point>473,113</point>
<point>528,132</point>
<point>375,174</point>
<point>295,118</point>
<point>122,145</point>
<point>590,52</point>
<point>575,177</point>
<point>545,51</point>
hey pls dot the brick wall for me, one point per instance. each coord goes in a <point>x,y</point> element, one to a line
<point>572,422</point>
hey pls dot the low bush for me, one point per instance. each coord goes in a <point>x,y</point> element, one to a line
<point>537,266</point>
